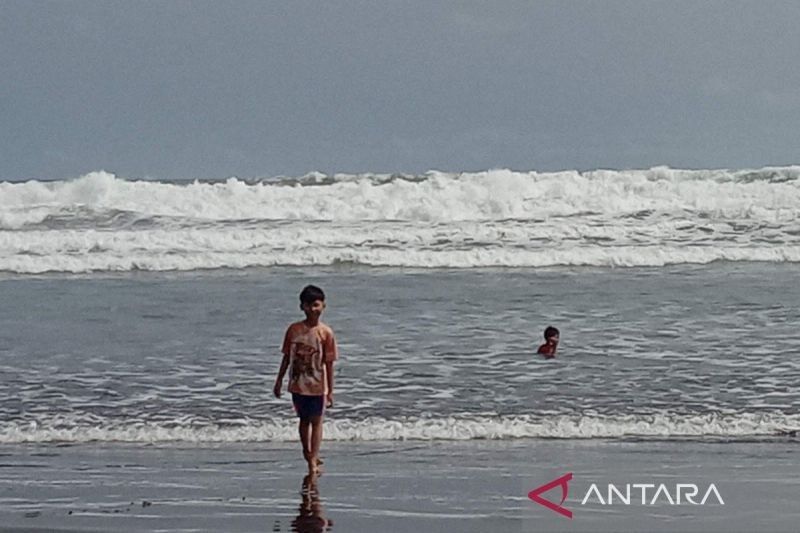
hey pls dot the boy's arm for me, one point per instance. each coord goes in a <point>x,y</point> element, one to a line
<point>331,354</point>
<point>281,372</point>
<point>285,348</point>
<point>329,377</point>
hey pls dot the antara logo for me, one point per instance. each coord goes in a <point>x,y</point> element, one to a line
<point>633,493</point>
<point>563,482</point>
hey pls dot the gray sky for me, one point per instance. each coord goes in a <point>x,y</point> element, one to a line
<point>177,89</point>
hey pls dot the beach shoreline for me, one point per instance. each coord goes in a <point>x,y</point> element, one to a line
<point>398,486</point>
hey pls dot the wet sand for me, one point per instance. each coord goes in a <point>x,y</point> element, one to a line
<point>394,486</point>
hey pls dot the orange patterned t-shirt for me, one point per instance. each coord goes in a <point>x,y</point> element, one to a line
<point>309,348</point>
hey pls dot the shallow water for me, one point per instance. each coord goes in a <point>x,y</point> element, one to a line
<point>432,354</point>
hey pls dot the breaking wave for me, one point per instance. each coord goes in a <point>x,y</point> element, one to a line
<point>466,427</point>
<point>497,218</point>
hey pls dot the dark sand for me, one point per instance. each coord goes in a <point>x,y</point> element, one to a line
<point>398,486</point>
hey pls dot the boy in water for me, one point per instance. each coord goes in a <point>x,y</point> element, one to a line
<point>548,349</point>
<point>309,349</point>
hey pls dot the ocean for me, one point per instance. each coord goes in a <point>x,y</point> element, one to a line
<point>142,313</point>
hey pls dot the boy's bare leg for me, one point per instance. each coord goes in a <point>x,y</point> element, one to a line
<point>316,440</point>
<point>305,437</point>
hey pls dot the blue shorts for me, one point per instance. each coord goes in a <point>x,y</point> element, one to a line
<point>308,406</point>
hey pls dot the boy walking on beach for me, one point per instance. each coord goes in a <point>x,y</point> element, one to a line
<point>309,350</point>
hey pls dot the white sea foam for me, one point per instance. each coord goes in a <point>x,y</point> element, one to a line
<point>494,218</point>
<point>491,195</point>
<point>465,427</point>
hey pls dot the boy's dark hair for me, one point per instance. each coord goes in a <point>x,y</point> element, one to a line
<point>550,331</point>
<point>310,294</point>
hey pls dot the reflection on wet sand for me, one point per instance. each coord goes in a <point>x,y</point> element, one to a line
<point>310,515</point>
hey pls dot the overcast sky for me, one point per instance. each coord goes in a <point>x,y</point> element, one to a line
<point>176,89</point>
